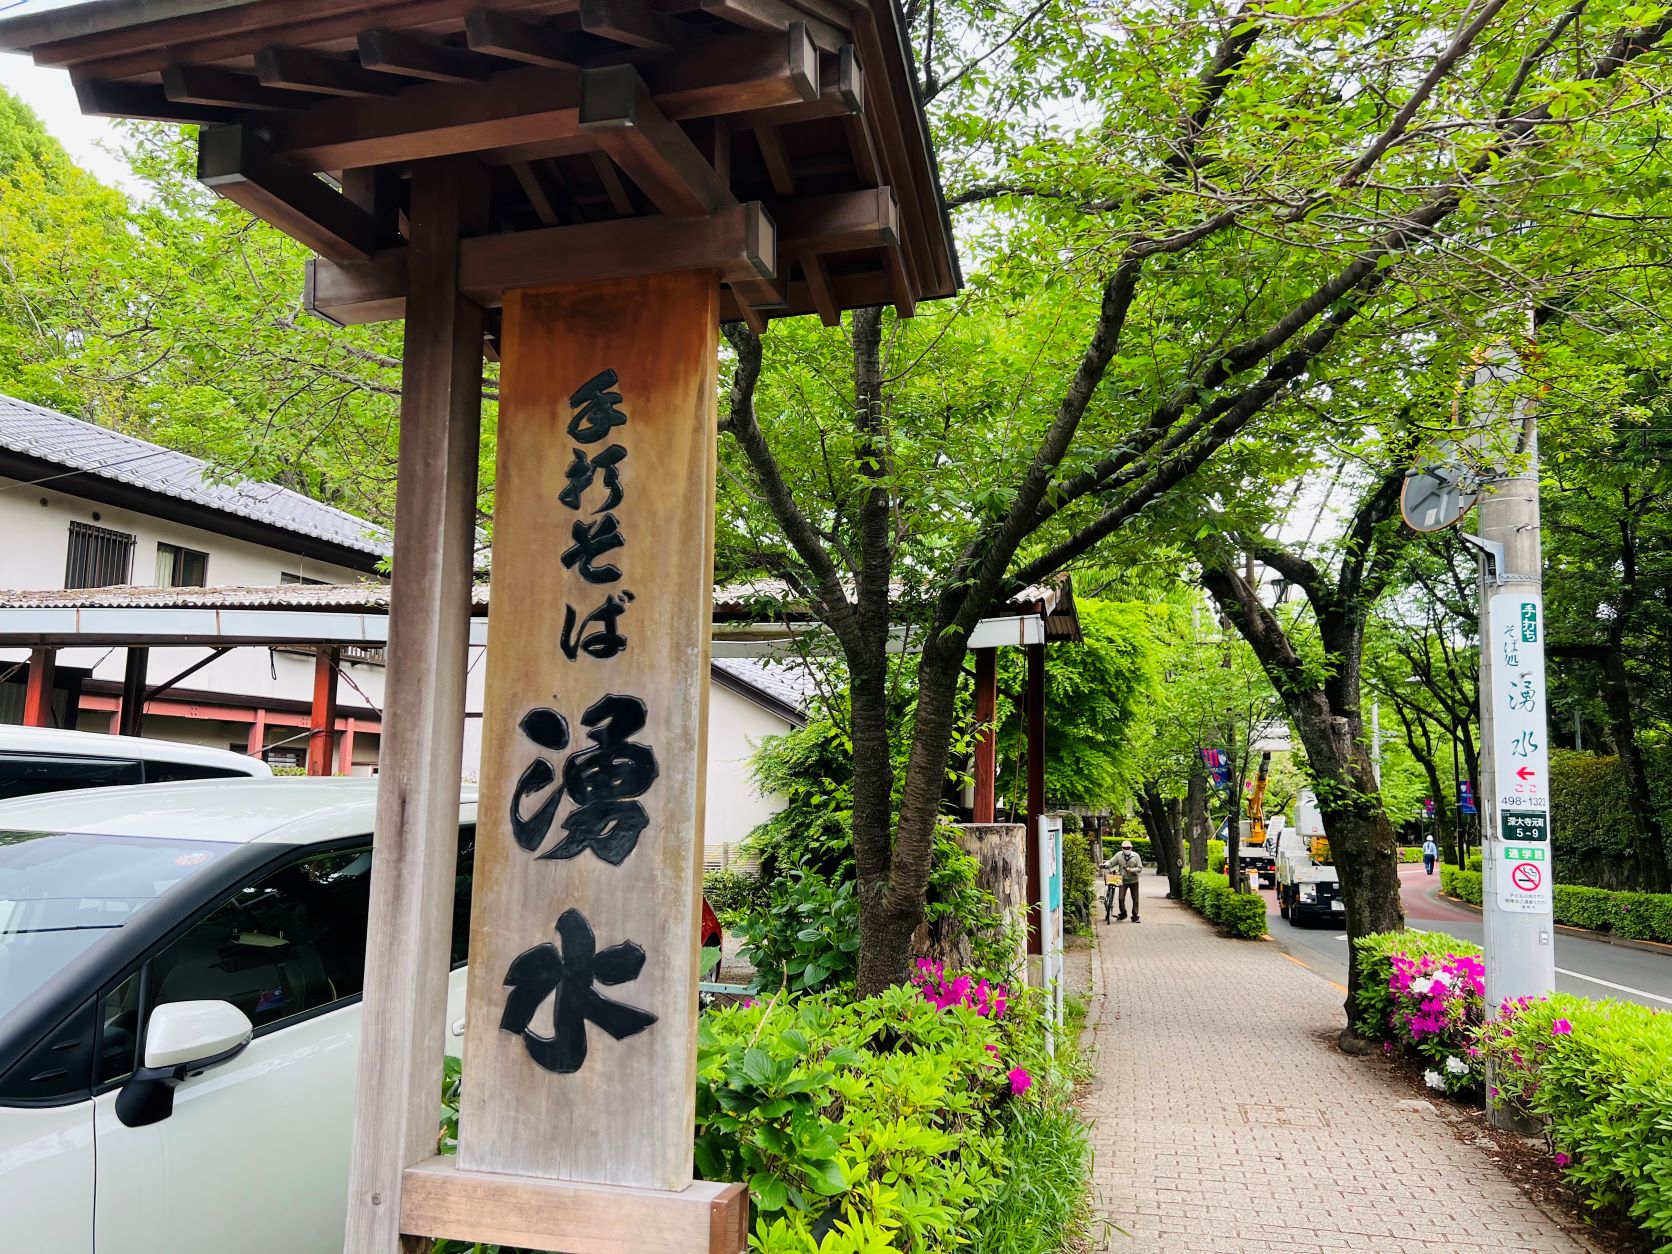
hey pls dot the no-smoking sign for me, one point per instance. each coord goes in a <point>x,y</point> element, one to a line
<point>1526,877</point>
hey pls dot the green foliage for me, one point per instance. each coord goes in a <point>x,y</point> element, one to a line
<point>735,892</point>
<point>886,1123</point>
<point>1216,855</point>
<point>1078,877</point>
<point>1238,914</point>
<point>1464,885</point>
<point>1596,1073</point>
<point>1373,1000</point>
<point>1472,860</point>
<point>800,929</point>
<point>1591,816</point>
<point>1636,916</point>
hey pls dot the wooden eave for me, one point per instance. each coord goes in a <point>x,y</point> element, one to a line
<point>779,142</point>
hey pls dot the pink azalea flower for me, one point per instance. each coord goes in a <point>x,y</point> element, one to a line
<point>1561,1028</point>
<point>1562,1160</point>
<point>1020,1081</point>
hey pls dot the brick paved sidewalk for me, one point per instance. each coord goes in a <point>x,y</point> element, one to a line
<point>1305,1149</point>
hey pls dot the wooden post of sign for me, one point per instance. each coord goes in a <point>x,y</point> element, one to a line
<point>1036,787</point>
<point>581,1031</point>
<point>396,1117</point>
<point>986,734</point>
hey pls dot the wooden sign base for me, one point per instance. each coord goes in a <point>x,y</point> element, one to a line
<point>439,1200</point>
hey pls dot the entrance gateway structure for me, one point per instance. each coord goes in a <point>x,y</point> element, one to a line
<point>585,188</point>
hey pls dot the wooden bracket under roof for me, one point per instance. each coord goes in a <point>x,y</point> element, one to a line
<point>606,130</point>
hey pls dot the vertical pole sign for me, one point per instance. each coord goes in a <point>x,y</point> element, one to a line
<point>581,1030</point>
<point>1523,865</point>
<point>1049,842</point>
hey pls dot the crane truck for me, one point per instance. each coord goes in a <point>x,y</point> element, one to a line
<point>1307,884</point>
<point>1254,851</point>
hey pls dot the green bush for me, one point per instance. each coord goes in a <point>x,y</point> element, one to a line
<point>1407,854</point>
<point>888,1123</point>
<point>1216,855</point>
<point>1472,860</point>
<point>1373,1000</point>
<point>1636,916</point>
<point>733,892</point>
<point>1078,877</point>
<point>1464,885</point>
<point>1239,914</point>
<point>1591,817</point>
<point>1596,1073</point>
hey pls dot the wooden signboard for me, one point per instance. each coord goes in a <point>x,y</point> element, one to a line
<point>581,1033</point>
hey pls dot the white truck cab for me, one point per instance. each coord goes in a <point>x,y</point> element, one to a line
<point>1307,884</point>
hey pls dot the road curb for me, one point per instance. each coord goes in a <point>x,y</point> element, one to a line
<point>1583,933</point>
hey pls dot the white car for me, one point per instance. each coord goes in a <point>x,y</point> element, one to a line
<point>42,759</point>
<point>144,933</point>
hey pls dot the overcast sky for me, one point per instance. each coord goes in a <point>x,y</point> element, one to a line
<point>48,93</point>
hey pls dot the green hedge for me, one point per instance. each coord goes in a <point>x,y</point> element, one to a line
<point>1591,815</point>
<point>1373,1001</point>
<point>1210,895</point>
<point>731,891</point>
<point>1596,1073</point>
<point>1636,916</point>
<point>1471,860</point>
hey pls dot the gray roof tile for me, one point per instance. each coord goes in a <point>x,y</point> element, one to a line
<point>83,446</point>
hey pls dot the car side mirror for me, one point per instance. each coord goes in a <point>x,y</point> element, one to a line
<point>182,1039</point>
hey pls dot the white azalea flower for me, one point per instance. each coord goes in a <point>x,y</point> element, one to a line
<point>1456,1065</point>
<point>1441,979</point>
<point>1421,986</point>
<point>1435,1079</point>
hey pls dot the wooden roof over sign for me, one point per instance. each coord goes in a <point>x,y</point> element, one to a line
<point>777,141</point>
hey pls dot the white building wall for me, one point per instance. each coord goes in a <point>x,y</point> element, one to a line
<point>735,807</point>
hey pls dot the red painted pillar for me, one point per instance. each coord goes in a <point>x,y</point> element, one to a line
<point>345,749</point>
<point>37,691</point>
<point>1036,785</point>
<point>258,735</point>
<point>986,734</point>
<point>322,722</point>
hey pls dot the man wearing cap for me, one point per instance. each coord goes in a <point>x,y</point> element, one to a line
<point>1129,866</point>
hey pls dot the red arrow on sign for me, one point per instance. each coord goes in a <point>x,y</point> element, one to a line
<point>1525,773</point>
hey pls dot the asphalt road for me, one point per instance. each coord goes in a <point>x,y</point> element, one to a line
<point>1584,967</point>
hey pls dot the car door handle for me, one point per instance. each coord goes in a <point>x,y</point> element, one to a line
<point>458,1027</point>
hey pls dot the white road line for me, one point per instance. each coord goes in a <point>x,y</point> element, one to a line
<point>1623,988</point>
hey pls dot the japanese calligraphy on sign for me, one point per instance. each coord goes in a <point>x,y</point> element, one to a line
<point>593,731</point>
<point>1520,739</point>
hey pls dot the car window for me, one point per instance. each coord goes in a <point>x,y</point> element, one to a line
<point>118,1031</point>
<point>293,942</point>
<point>167,772</point>
<point>28,774</point>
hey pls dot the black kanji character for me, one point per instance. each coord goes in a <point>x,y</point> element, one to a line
<point>603,780</point>
<point>582,471</point>
<point>567,977</point>
<point>595,409</point>
<point>592,539</point>
<point>550,730</point>
<point>598,635</point>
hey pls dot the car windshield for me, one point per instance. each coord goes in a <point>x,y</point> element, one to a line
<point>62,892</point>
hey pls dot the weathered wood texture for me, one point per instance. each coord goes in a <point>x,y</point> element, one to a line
<point>999,850</point>
<point>526,1211</point>
<point>625,1116</point>
<point>416,841</point>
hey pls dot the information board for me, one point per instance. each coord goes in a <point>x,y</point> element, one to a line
<point>1519,737</point>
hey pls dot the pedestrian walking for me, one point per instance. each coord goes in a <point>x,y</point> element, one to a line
<point>1129,866</point>
<point>1430,851</point>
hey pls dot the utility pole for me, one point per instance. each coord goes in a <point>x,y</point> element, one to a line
<point>1514,798</point>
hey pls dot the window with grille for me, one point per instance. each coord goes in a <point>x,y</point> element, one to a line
<point>99,557</point>
<point>179,567</point>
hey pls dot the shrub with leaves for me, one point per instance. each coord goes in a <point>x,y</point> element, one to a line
<point>1437,1006</point>
<point>1373,1004</point>
<point>1596,1073</point>
<point>873,1125</point>
<point>1210,895</point>
<point>733,893</point>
